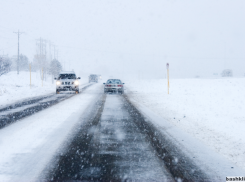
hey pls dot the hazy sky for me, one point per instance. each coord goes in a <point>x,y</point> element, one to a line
<point>196,37</point>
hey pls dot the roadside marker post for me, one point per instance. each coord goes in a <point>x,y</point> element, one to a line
<point>167,65</point>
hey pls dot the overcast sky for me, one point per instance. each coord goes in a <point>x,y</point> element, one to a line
<point>196,37</point>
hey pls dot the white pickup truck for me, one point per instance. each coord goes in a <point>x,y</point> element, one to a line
<point>67,81</point>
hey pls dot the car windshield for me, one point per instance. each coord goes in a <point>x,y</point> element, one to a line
<point>67,76</point>
<point>122,90</point>
<point>114,81</point>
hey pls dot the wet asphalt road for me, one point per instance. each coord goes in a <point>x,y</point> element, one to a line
<point>122,141</point>
<point>109,147</point>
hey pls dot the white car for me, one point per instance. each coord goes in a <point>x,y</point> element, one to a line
<point>114,85</point>
<point>67,81</point>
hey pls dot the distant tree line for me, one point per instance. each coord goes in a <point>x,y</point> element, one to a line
<point>227,73</point>
<point>55,67</point>
<point>7,64</point>
<point>23,63</point>
<point>52,67</point>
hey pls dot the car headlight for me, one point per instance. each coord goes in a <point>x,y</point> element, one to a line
<point>76,82</point>
<point>58,83</point>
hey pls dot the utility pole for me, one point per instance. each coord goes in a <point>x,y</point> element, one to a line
<point>19,33</point>
<point>54,51</point>
<point>50,50</point>
<point>41,51</point>
<point>57,53</point>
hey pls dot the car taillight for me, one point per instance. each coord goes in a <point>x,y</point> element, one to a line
<point>119,85</point>
<point>108,85</point>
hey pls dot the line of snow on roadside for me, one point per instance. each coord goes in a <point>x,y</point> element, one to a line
<point>29,144</point>
<point>15,87</point>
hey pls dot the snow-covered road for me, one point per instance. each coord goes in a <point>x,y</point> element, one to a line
<point>130,134</point>
<point>29,144</point>
<point>111,148</point>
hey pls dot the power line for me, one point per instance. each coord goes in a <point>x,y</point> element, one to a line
<point>5,27</point>
<point>19,33</point>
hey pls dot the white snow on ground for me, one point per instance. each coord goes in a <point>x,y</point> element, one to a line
<point>210,110</point>
<point>15,87</point>
<point>26,146</point>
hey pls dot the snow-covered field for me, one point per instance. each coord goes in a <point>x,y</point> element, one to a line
<point>15,87</point>
<point>210,110</point>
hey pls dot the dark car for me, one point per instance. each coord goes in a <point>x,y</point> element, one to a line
<point>114,85</point>
<point>93,78</point>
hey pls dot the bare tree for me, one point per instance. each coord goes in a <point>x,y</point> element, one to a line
<point>5,64</point>
<point>55,68</point>
<point>227,73</point>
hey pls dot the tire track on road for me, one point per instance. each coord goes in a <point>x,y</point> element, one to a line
<point>109,147</point>
<point>179,165</point>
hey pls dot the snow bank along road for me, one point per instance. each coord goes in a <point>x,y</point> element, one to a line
<point>93,136</point>
<point>210,110</point>
<point>28,145</point>
<point>18,110</point>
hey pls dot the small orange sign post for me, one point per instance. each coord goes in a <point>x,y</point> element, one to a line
<point>167,65</point>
